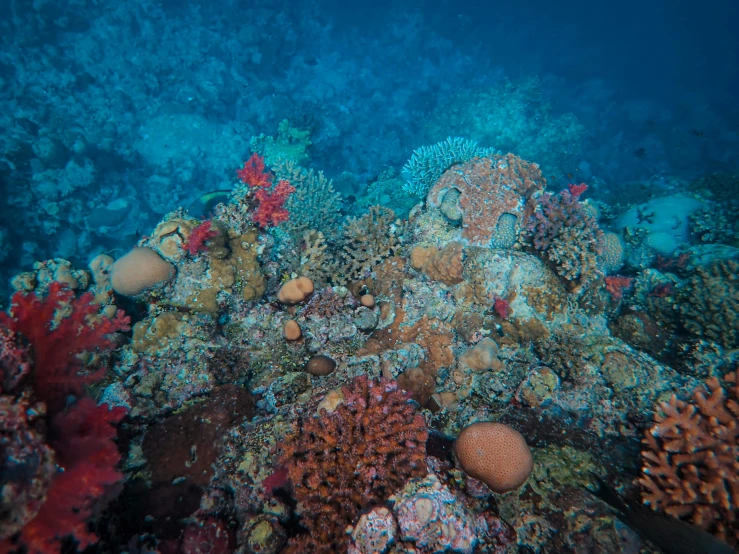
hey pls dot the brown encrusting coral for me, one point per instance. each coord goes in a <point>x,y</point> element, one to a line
<point>445,265</point>
<point>348,461</point>
<point>691,465</point>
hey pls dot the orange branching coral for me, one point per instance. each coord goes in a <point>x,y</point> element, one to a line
<point>488,188</point>
<point>691,465</point>
<point>351,460</point>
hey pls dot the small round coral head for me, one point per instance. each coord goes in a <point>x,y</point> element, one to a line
<point>495,454</point>
<point>320,365</point>
<point>295,290</point>
<point>292,330</point>
<point>367,300</point>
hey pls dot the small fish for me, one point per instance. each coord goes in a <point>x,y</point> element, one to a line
<point>204,204</point>
<point>697,133</point>
<point>640,152</point>
<point>671,535</point>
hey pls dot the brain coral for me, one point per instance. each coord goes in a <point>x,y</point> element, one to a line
<point>488,188</point>
<point>495,454</point>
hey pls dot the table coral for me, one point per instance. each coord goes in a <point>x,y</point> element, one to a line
<point>352,459</point>
<point>489,188</point>
<point>691,460</point>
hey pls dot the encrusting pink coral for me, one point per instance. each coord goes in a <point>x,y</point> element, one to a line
<point>350,460</point>
<point>489,188</point>
<point>691,460</point>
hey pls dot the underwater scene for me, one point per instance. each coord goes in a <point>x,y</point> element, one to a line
<point>411,277</point>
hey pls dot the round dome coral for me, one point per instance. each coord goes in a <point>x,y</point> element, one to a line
<point>495,454</point>
<point>140,269</point>
<point>295,290</point>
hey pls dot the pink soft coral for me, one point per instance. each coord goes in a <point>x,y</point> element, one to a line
<point>271,204</point>
<point>59,328</point>
<point>254,173</point>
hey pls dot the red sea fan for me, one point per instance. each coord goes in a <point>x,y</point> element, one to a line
<point>82,438</point>
<point>59,327</point>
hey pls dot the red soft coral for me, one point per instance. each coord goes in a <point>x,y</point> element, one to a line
<point>271,204</point>
<point>56,344</point>
<point>616,285</point>
<point>198,238</point>
<point>82,438</point>
<point>254,173</point>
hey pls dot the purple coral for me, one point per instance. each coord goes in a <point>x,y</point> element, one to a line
<point>552,215</point>
<point>561,227</point>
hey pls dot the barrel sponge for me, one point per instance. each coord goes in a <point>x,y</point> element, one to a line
<point>495,454</point>
<point>138,270</point>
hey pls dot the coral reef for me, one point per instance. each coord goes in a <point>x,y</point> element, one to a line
<point>691,458</point>
<point>352,459</point>
<point>515,116</point>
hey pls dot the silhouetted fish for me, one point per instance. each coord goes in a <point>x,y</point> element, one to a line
<point>640,152</point>
<point>697,133</point>
<point>671,535</point>
<point>203,206</point>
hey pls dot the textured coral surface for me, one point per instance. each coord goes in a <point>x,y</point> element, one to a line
<point>352,459</point>
<point>691,461</point>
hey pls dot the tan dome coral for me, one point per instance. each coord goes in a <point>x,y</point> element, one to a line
<point>495,454</point>
<point>295,290</point>
<point>138,270</point>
